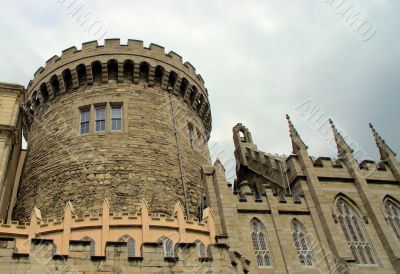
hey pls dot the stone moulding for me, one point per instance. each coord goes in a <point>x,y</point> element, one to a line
<point>108,227</point>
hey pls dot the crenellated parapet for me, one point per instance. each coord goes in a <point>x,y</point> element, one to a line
<point>105,227</point>
<point>127,241</point>
<point>113,61</point>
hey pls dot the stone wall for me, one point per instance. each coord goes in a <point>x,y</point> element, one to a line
<point>116,260</point>
<point>315,187</point>
<point>11,98</point>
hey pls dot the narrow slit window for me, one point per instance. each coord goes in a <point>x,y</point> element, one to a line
<point>100,119</point>
<point>190,132</point>
<point>85,116</point>
<point>116,119</point>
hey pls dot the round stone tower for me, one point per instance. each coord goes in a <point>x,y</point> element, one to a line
<point>122,122</point>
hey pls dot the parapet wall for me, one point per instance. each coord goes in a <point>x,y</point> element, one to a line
<point>107,226</point>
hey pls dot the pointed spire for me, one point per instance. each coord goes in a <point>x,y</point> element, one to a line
<point>297,142</point>
<point>69,208</point>
<point>218,165</point>
<point>384,150</point>
<point>36,215</point>
<point>342,146</point>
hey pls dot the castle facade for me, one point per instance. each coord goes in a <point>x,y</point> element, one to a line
<point>117,178</point>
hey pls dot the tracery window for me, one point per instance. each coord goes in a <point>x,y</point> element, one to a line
<point>131,244</point>
<point>92,245</point>
<point>201,249</point>
<point>392,211</point>
<point>260,243</point>
<point>168,246</point>
<point>302,243</point>
<point>355,233</point>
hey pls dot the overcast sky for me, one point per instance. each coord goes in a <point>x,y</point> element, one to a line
<point>259,59</point>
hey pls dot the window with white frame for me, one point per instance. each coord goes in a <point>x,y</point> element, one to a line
<point>168,246</point>
<point>201,249</point>
<point>392,210</point>
<point>116,118</point>
<point>302,243</point>
<point>260,243</point>
<point>85,118</point>
<point>355,233</point>
<point>100,118</point>
<point>130,243</point>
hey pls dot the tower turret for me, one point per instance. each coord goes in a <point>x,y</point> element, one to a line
<point>116,122</point>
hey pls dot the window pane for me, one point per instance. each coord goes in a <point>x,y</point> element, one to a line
<point>116,124</point>
<point>100,119</point>
<point>116,118</point>
<point>100,113</point>
<point>116,112</point>
<point>100,125</point>
<point>85,116</point>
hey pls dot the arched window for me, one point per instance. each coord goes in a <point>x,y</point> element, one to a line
<point>242,136</point>
<point>158,75</point>
<point>193,93</point>
<point>128,70</point>
<point>392,210</point>
<point>260,243</point>
<point>97,72</point>
<point>112,68</point>
<point>144,71</point>
<point>172,78</point>
<point>184,86</point>
<point>302,243</point>
<point>201,101</point>
<point>82,76</point>
<point>168,246</point>
<point>354,231</point>
<point>67,77</point>
<point>131,244</point>
<point>35,98</point>
<point>55,85</point>
<point>92,245</point>
<point>201,249</point>
<point>43,92</point>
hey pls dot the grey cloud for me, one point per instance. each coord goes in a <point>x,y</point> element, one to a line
<point>260,59</point>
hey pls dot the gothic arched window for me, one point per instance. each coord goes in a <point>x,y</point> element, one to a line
<point>92,245</point>
<point>201,249</point>
<point>260,243</point>
<point>392,210</point>
<point>168,246</point>
<point>302,243</point>
<point>354,231</point>
<point>130,243</point>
